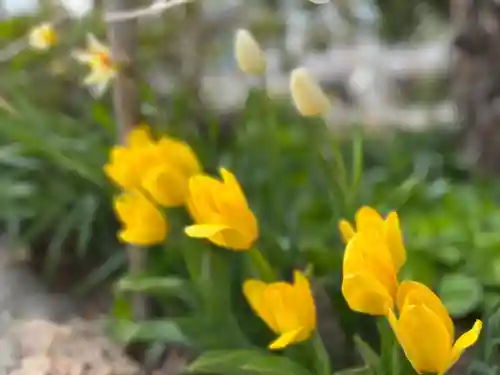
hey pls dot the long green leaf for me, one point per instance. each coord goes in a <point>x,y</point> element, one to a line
<point>166,331</point>
<point>236,362</point>
<point>162,286</point>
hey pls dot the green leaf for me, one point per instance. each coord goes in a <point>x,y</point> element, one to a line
<point>236,362</point>
<point>461,294</point>
<point>166,331</point>
<point>370,357</point>
<point>163,286</point>
<point>355,371</point>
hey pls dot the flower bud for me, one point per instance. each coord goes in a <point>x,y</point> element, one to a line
<point>307,95</point>
<point>248,54</point>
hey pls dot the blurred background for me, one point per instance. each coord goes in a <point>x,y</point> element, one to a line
<point>417,81</point>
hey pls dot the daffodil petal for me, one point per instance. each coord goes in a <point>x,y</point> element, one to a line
<point>82,56</point>
<point>286,339</point>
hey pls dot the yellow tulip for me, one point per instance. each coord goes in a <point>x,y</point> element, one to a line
<point>167,181</point>
<point>369,283</point>
<point>369,220</point>
<point>143,224</point>
<point>162,168</point>
<point>287,309</point>
<point>220,212</point>
<point>128,164</point>
<point>425,330</point>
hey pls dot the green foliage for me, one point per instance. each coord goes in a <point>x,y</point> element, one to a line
<point>57,200</point>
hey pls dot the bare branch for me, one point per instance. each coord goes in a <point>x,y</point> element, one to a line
<point>154,9</point>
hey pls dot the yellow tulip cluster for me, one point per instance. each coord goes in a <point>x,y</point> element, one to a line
<point>152,173</point>
<point>373,257</point>
<point>166,173</point>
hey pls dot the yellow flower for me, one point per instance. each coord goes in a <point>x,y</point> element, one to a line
<point>425,330</point>
<point>307,95</point>
<point>43,36</point>
<point>128,163</point>
<point>102,67</point>
<point>143,224</point>
<point>249,55</point>
<point>168,180</point>
<point>162,168</point>
<point>369,220</point>
<point>221,213</point>
<point>287,309</point>
<point>369,283</point>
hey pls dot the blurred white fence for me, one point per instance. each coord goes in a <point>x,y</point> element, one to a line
<point>368,70</point>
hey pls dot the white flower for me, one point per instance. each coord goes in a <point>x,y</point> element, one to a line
<point>102,68</point>
<point>42,37</point>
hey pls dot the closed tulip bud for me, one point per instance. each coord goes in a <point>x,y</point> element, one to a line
<point>249,55</point>
<point>307,95</point>
<point>425,330</point>
<point>220,212</point>
<point>287,309</point>
<point>143,224</point>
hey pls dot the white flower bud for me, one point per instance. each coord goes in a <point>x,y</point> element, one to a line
<point>307,95</point>
<point>248,54</point>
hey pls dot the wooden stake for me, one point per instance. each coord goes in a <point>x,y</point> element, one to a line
<point>123,40</point>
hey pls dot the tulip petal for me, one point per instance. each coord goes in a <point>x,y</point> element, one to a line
<point>415,293</point>
<point>368,257</point>
<point>203,230</point>
<point>140,137</point>
<point>346,230</point>
<point>288,338</point>
<point>394,240</point>
<point>185,158</point>
<point>253,291</point>
<point>220,235</point>
<point>466,340</point>
<point>428,352</point>
<point>368,219</point>
<point>166,185</point>
<point>366,295</point>
<point>304,302</point>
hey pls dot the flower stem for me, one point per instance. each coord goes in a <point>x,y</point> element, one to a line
<point>261,265</point>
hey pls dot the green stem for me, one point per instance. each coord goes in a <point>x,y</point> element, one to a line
<point>322,364</point>
<point>356,167</point>
<point>261,265</point>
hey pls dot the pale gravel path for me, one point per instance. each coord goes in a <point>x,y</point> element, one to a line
<point>40,333</point>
